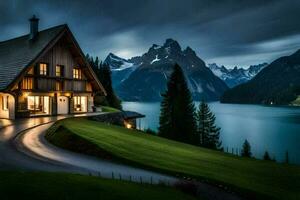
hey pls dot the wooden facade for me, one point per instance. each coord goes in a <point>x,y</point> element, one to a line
<point>47,75</point>
<point>53,76</point>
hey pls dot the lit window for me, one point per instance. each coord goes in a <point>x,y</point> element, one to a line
<point>76,73</point>
<point>43,69</point>
<point>80,103</point>
<point>27,84</point>
<point>31,71</point>
<point>5,102</point>
<point>59,70</point>
<point>58,86</point>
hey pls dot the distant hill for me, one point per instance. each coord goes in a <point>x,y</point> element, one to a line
<point>236,76</point>
<point>278,83</point>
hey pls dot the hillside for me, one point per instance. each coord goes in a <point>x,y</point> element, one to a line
<point>263,179</point>
<point>278,83</point>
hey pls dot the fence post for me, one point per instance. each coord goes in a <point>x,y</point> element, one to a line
<point>141,180</point>
<point>130,178</point>
<point>120,176</point>
<point>112,175</point>
<point>151,181</point>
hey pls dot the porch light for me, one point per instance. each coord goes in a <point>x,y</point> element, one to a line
<point>128,125</point>
<point>25,94</point>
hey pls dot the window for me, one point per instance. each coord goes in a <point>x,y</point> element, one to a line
<point>76,73</point>
<point>43,69</point>
<point>80,103</point>
<point>59,70</point>
<point>59,86</point>
<point>27,83</point>
<point>31,71</point>
<point>38,105</point>
<point>5,102</point>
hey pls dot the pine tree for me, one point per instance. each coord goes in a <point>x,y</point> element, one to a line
<point>104,75</point>
<point>208,132</point>
<point>267,156</point>
<point>177,115</point>
<point>246,151</point>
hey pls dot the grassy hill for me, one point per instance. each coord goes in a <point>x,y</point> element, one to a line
<point>29,185</point>
<point>250,176</point>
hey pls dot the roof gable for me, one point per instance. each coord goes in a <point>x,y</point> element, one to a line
<point>16,55</point>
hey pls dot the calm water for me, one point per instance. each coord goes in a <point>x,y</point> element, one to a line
<point>276,129</point>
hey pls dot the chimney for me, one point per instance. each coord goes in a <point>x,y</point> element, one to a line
<point>34,27</point>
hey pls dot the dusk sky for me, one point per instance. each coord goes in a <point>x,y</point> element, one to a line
<point>228,32</point>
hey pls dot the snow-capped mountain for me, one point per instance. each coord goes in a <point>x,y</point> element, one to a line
<point>120,67</point>
<point>148,73</point>
<point>236,76</point>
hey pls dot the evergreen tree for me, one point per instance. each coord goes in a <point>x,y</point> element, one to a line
<point>104,75</point>
<point>177,115</point>
<point>208,132</point>
<point>267,156</point>
<point>246,151</point>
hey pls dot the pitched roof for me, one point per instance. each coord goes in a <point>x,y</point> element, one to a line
<point>17,53</point>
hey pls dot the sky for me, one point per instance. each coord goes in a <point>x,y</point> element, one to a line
<point>226,32</point>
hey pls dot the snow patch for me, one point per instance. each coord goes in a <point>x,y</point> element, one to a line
<point>155,60</point>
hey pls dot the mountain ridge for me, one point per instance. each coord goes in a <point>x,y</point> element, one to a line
<point>148,80</point>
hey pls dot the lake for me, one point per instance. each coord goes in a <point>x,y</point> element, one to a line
<point>275,129</point>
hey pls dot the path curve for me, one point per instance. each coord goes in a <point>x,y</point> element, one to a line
<point>34,144</point>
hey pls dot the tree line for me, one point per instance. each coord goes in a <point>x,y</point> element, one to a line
<point>181,121</point>
<point>103,73</point>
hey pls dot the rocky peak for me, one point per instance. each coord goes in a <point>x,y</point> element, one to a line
<point>189,51</point>
<point>173,45</point>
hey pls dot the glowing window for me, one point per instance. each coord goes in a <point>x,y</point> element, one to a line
<point>76,73</point>
<point>43,69</point>
<point>59,70</point>
<point>27,84</point>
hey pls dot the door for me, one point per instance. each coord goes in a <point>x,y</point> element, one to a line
<point>62,105</point>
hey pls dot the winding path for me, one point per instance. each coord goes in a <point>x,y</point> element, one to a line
<point>23,147</point>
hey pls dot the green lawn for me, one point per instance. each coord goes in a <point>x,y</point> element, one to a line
<point>263,178</point>
<point>30,185</point>
<point>109,109</point>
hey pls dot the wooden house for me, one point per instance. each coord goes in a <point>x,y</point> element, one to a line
<point>45,73</point>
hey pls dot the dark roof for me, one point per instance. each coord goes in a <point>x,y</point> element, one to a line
<point>131,115</point>
<point>16,54</point>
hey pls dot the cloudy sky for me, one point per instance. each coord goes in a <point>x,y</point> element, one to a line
<point>228,32</point>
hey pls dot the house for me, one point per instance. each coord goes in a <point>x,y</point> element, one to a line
<point>45,73</point>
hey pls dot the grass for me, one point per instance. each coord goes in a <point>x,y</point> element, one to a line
<point>109,109</point>
<point>263,179</point>
<point>42,185</point>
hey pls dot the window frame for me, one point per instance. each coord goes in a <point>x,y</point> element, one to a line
<point>61,70</point>
<point>77,75</point>
<point>27,83</point>
<point>44,71</point>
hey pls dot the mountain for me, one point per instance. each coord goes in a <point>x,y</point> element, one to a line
<point>120,67</point>
<point>148,79</point>
<point>236,76</point>
<point>278,83</point>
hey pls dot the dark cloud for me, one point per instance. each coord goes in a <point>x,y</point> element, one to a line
<point>230,32</point>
